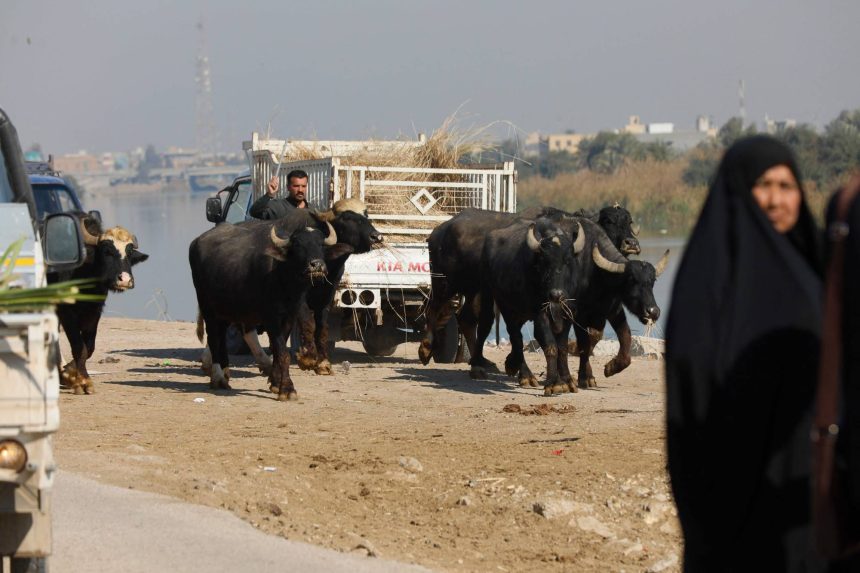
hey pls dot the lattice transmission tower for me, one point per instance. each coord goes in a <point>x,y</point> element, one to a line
<point>205,134</point>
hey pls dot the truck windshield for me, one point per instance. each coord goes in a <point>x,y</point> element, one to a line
<point>5,186</point>
<point>52,199</point>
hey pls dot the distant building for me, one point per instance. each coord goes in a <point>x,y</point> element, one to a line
<point>678,139</point>
<point>634,126</point>
<point>80,162</point>
<point>774,127</point>
<point>568,142</point>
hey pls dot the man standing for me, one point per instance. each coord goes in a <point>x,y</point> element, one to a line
<point>269,206</point>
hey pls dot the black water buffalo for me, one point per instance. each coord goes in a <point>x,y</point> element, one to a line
<point>455,264</point>
<point>615,221</point>
<point>528,269</point>
<point>257,272</point>
<point>618,225</point>
<point>355,234</point>
<point>110,256</point>
<point>605,283</point>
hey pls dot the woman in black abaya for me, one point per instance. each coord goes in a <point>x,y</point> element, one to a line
<point>742,345</point>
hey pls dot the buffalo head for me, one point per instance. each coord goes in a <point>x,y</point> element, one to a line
<point>618,224</point>
<point>302,244</point>
<point>112,254</point>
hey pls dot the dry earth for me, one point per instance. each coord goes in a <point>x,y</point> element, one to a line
<point>413,463</point>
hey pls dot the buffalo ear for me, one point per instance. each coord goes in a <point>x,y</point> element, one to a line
<point>275,253</point>
<point>137,257</point>
<point>338,250</point>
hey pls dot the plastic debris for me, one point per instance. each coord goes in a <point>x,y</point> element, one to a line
<point>199,400</point>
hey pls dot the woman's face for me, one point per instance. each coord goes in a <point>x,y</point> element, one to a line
<point>778,194</point>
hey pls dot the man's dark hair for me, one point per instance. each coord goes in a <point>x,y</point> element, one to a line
<point>297,173</point>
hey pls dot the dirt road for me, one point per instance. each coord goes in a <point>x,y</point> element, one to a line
<point>413,463</point>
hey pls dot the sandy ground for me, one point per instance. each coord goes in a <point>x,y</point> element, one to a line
<point>413,463</point>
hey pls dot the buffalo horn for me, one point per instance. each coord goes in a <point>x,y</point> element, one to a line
<point>89,238</point>
<point>332,236</point>
<point>635,229</point>
<point>277,241</point>
<point>579,244</point>
<point>605,263</point>
<point>531,240</point>
<point>661,264</point>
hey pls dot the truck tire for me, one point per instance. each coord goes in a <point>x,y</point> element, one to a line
<point>448,343</point>
<point>235,342</point>
<point>381,340</point>
<point>29,564</point>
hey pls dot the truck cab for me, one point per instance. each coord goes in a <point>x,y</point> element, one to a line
<point>29,378</point>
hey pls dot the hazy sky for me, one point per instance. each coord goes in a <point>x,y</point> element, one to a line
<point>112,75</point>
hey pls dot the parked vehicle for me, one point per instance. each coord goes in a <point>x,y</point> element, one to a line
<point>29,379</point>
<point>382,296</point>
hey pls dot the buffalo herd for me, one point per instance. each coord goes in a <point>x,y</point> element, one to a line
<point>556,269</point>
<point>559,270</point>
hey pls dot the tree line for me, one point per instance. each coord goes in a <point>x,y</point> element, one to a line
<point>668,186</point>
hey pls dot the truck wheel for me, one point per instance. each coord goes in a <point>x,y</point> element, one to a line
<point>235,342</point>
<point>381,340</point>
<point>29,564</point>
<point>446,349</point>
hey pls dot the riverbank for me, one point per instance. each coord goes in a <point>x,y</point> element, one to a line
<point>413,463</point>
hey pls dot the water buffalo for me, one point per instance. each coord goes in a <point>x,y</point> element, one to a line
<point>355,234</point>
<point>110,256</point>
<point>528,269</point>
<point>257,272</point>
<point>455,264</point>
<point>606,282</point>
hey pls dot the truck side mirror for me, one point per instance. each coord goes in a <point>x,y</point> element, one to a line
<point>213,209</point>
<point>64,242</point>
<point>95,214</point>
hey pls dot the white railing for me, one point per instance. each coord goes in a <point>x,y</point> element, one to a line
<point>403,200</point>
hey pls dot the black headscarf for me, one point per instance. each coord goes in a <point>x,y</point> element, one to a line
<point>741,357</point>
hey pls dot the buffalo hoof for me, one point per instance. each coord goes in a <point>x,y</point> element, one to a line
<point>77,389</point>
<point>529,381</point>
<point>307,361</point>
<point>615,366</point>
<point>290,396</point>
<point>274,389</point>
<point>323,368</point>
<point>265,368</point>
<point>87,385</point>
<point>478,373</point>
<point>589,382</point>
<point>69,376</point>
<point>554,388</point>
<point>425,352</point>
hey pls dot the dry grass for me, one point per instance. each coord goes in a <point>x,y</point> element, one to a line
<point>653,192</point>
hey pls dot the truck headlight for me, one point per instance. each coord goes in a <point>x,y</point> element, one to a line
<point>13,456</point>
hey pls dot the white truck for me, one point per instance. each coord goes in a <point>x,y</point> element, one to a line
<point>29,380</point>
<point>383,294</point>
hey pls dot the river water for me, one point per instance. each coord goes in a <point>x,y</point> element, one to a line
<point>165,224</point>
